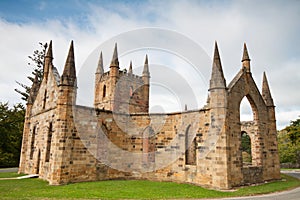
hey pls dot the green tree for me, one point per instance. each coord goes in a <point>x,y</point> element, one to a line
<point>246,148</point>
<point>37,63</point>
<point>293,131</point>
<point>11,130</point>
<point>289,143</point>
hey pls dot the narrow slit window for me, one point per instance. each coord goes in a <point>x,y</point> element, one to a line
<point>45,99</point>
<point>32,142</point>
<point>49,139</point>
<point>104,91</point>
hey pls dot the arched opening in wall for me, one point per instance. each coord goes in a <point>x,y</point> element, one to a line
<point>148,142</point>
<point>246,149</point>
<point>49,138</point>
<point>190,148</point>
<point>32,142</point>
<point>250,146</point>
<point>104,91</point>
<point>246,113</point>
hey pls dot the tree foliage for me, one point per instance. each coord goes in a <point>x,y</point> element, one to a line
<point>37,63</point>
<point>289,143</point>
<point>246,148</point>
<point>11,130</point>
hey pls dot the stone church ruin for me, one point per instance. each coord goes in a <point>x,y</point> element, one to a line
<point>118,138</point>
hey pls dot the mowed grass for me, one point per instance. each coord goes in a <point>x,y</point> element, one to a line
<point>10,175</point>
<point>128,189</point>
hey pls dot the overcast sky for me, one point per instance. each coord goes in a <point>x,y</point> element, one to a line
<point>270,28</point>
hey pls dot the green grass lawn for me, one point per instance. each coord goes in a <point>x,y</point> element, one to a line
<point>10,175</point>
<point>133,189</point>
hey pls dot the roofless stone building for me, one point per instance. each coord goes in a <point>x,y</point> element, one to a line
<point>118,138</point>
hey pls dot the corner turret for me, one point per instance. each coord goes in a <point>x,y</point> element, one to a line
<point>69,74</point>
<point>114,65</point>
<point>115,60</point>
<point>146,86</point>
<point>99,70</point>
<point>48,61</point>
<point>146,73</point>
<point>246,59</point>
<point>130,68</point>
<point>266,94</point>
<point>218,111</point>
<point>217,80</point>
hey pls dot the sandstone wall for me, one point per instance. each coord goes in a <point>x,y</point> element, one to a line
<point>126,95</point>
<point>122,146</point>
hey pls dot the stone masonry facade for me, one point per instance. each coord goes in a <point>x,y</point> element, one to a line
<point>118,138</point>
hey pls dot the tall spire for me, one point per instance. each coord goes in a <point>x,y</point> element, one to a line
<point>245,53</point>
<point>217,76</point>
<point>49,52</point>
<point>217,59</point>
<point>266,94</point>
<point>130,68</point>
<point>246,59</point>
<point>146,67</point>
<point>100,69</point>
<point>115,61</point>
<point>69,73</point>
<point>48,61</point>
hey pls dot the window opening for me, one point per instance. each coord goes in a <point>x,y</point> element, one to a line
<point>45,99</point>
<point>104,91</point>
<point>49,138</point>
<point>32,142</point>
<point>190,149</point>
<point>246,148</point>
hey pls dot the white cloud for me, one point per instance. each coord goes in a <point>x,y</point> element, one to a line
<point>269,28</point>
<point>285,117</point>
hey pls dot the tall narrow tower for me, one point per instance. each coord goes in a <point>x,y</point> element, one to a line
<point>218,111</point>
<point>64,133</point>
<point>272,134</point>
<point>114,76</point>
<point>121,90</point>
